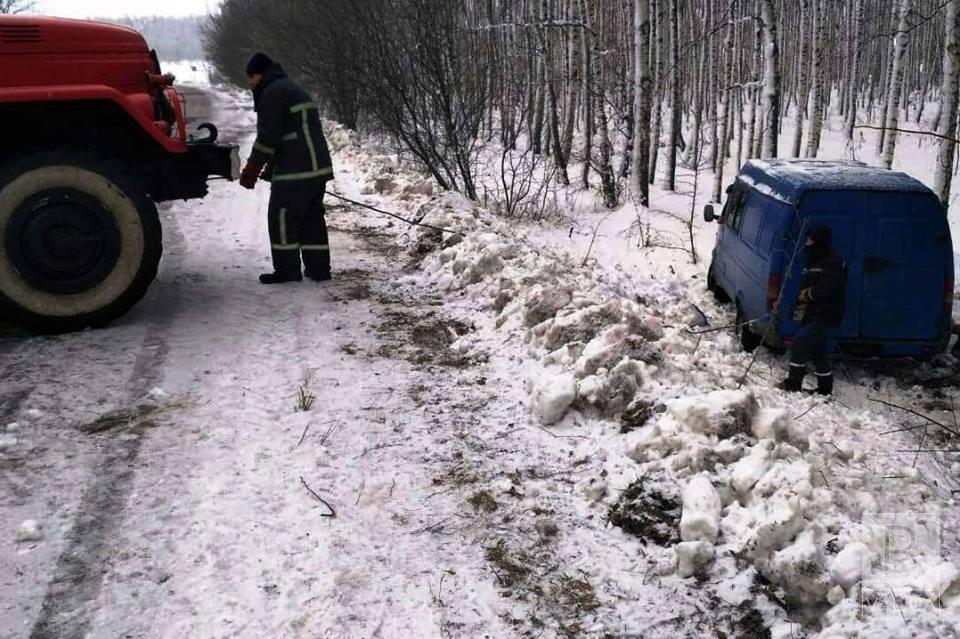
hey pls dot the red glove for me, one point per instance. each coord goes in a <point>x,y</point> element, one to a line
<point>249,175</point>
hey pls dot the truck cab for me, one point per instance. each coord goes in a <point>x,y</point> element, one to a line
<point>95,136</point>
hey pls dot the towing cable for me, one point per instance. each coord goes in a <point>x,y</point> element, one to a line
<point>375,210</point>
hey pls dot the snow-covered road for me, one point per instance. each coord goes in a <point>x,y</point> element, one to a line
<point>185,515</point>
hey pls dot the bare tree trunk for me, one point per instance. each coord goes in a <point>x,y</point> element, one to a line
<point>854,69</point>
<point>574,85</point>
<point>587,93</point>
<point>726,97</point>
<point>642,100</point>
<point>658,92</point>
<point>771,80</point>
<point>802,90</point>
<point>817,80</point>
<point>896,86</point>
<point>950,91</point>
<point>671,178</point>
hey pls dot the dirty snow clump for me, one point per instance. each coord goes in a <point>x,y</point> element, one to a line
<point>30,530</point>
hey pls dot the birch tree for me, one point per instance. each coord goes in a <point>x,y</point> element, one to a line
<point>851,106</point>
<point>948,108</point>
<point>815,108</point>
<point>896,86</point>
<point>642,100</point>
<point>670,181</point>
<point>802,90</point>
<point>771,80</point>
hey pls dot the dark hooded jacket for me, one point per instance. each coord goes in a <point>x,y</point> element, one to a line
<point>825,277</point>
<point>289,134</point>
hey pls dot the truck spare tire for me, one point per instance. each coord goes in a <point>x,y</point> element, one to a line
<point>80,241</point>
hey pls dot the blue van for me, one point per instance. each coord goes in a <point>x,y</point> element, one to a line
<point>889,228</point>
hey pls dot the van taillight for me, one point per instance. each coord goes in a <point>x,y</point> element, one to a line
<point>948,297</point>
<point>773,290</point>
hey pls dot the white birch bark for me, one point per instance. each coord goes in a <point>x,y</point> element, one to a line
<point>726,95</point>
<point>771,81</point>
<point>640,169</point>
<point>948,108</point>
<point>802,81</point>
<point>896,86</point>
<point>815,108</point>
<point>675,106</point>
<point>855,70</point>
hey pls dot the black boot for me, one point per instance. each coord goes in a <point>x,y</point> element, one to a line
<point>794,381</point>
<point>280,278</point>
<point>318,277</point>
<point>825,384</point>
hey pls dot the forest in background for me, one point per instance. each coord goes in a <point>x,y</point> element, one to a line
<point>614,94</point>
<point>174,38</point>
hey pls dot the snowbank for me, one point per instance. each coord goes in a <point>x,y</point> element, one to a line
<point>763,492</point>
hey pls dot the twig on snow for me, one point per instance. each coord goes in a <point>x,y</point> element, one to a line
<point>844,456</point>
<point>363,486</point>
<point>433,527</point>
<point>330,431</point>
<point>548,432</point>
<point>805,413</point>
<point>367,451</point>
<point>930,450</point>
<point>952,431</point>
<point>332,513</point>
<point>305,431</point>
<point>706,320</point>
<point>593,239</point>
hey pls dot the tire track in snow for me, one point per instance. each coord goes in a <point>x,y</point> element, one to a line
<point>78,577</point>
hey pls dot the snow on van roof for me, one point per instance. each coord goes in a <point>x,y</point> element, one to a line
<point>788,180</point>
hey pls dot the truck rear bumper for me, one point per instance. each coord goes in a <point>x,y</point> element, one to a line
<point>184,176</point>
<point>221,160</point>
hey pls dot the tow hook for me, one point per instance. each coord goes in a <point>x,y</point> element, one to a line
<point>211,134</point>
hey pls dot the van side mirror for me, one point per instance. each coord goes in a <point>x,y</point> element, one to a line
<point>708,213</point>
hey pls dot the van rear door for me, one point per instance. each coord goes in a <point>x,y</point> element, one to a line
<point>906,255</point>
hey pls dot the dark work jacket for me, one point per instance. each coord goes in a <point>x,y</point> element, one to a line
<point>288,132</point>
<point>826,277</point>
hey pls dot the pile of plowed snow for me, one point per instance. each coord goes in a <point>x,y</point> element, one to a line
<point>798,490</point>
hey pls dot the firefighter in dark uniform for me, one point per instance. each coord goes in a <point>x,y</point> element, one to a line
<point>290,152</point>
<point>819,308</point>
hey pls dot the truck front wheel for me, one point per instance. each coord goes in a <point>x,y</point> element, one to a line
<point>80,242</point>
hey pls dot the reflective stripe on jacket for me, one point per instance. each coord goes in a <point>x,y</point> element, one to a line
<point>289,133</point>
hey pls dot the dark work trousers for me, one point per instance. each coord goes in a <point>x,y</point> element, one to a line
<point>297,227</point>
<point>810,345</point>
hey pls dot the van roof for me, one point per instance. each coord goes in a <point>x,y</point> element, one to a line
<point>789,180</point>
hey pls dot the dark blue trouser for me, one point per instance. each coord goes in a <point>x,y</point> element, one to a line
<point>810,345</point>
<point>298,228</point>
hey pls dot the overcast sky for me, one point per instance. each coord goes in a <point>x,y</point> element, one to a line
<point>120,8</point>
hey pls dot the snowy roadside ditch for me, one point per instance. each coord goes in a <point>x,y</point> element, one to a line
<point>747,490</point>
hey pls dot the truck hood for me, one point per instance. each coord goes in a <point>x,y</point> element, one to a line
<point>31,34</point>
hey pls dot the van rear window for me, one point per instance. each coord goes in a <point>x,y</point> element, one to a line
<point>751,218</point>
<point>734,213</point>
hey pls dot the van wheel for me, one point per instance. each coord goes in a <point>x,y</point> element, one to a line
<point>718,293</point>
<point>748,339</point>
<point>80,241</point>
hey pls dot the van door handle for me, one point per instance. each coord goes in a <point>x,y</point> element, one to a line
<point>873,263</point>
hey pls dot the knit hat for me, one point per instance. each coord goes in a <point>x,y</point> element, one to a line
<point>821,235</point>
<point>259,64</point>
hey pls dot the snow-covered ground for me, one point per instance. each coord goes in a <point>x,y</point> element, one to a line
<point>514,445</point>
